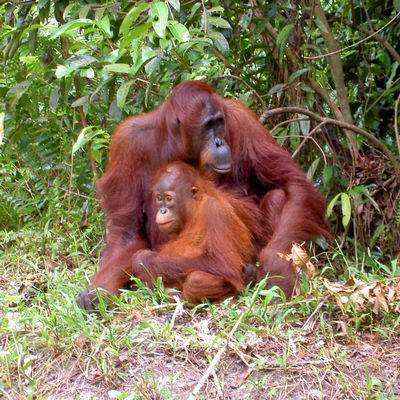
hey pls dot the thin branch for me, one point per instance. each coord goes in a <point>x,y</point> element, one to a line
<point>218,356</point>
<point>85,124</point>
<point>244,83</point>
<point>396,125</point>
<point>341,124</point>
<point>289,121</point>
<point>316,129</point>
<point>377,37</point>
<point>354,44</point>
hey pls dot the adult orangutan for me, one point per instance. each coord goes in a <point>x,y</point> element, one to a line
<point>218,135</point>
<point>211,236</point>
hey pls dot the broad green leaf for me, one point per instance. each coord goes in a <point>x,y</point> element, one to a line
<point>53,101</point>
<point>16,92</point>
<point>80,102</point>
<point>275,89</point>
<point>307,88</point>
<point>220,41</point>
<point>112,57</point>
<point>321,26</point>
<point>115,112</point>
<point>346,208</point>
<point>122,92</point>
<point>396,4</point>
<point>304,121</point>
<point>87,73</point>
<point>217,9</point>
<point>153,65</point>
<point>76,23</point>
<point>327,175</point>
<point>294,135</point>
<point>331,205</point>
<point>84,10</point>
<point>131,17</point>
<point>104,25</point>
<point>148,52</point>
<point>179,31</point>
<point>160,10</point>
<point>296,74</point>
<point>62,71</point>
<point>80,60</point>
<point>313,168</point>
<point>68,9</point>
<point>219,22</point>
<point>283,36</point>
<point>139,31</point>
<point>82,139</point>
<point>175,4</point>
<point>99,13</point>
<point>120,68</point>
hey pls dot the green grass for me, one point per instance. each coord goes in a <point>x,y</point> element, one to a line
<point>145,347</point>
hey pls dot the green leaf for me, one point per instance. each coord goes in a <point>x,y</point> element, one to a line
<point>53,101</point>
<point>80,60</point>
<point>175,4</point>
<point>327,175</point>
<point>87,73</point>
<point>84,10</point>
<point>122,92</point>
<point>62,71</point>
<point>104,25</point>
<point>346,208</point>
<point>304,122</point>
<point>16,92</point>
<point>160,10</point>
<point>98,14</point>
<point>296,74</point>
<point>114,111</point>
<point>313,168</point>
<point>331,205</point>
<point>283,38</point>
<point>76,23</point>
<point>152,66</point>
<point>119,68</point>
<point>139,31</point>
<point>219,22</point>
<point>306,88</point>
<point>321,26</point>
<point>82,139</point>
<point>276,89</point>
<point>148,53</point>
<point>220,41</point>
<point>131,17</point>
<point>179,31</point>
<point>80,102</point>
<point>217,9</point>
<point>396,4</point>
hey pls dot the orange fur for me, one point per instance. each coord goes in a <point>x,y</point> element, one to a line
<point>207,258</point>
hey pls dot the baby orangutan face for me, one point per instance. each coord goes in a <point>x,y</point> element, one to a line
<point>175,199</point>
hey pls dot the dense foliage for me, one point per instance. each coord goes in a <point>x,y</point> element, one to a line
<point>73,69</point>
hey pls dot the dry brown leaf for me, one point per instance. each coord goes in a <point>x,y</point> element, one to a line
<point>300,260</point>
<point>336,287</point>
<point>80,341</point>
<point>380,300</point>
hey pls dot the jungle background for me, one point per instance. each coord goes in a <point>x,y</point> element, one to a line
<point>323,76</point>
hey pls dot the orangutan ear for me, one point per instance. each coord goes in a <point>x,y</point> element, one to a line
<point>194,192</point>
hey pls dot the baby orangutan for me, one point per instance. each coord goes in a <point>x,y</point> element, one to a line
<point>211,236</point>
